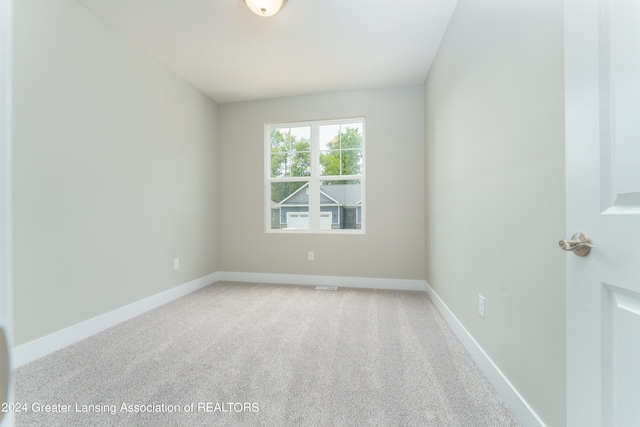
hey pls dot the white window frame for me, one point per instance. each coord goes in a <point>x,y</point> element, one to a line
<point>314,179</point>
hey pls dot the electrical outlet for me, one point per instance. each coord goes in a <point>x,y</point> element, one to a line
<point>176,263</point>
<point>481,306</point>
<point>311,256</point>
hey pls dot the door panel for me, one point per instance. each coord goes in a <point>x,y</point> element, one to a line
<point>602,102</point>
<point>620,333</point>
<point>619,36</point>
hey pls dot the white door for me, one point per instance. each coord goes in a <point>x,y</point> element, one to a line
<point>602,87</point>
<point>5,206</point>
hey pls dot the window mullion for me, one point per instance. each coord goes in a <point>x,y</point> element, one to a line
<point>314,183</point>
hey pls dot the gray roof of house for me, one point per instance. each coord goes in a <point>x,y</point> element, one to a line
<point>344,194</point>
<point>340,194</point>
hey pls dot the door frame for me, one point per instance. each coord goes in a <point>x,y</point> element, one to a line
<point>5,182</point>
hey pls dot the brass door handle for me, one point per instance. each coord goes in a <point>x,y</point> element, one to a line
<point>579,244</point>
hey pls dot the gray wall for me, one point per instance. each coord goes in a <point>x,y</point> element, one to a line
<point>495,188</point>
<point>114,171</point>
<point>393,246</point>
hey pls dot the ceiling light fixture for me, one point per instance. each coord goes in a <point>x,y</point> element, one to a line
<point>265,7</point>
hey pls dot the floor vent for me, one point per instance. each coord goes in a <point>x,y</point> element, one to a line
<point>326,288</point>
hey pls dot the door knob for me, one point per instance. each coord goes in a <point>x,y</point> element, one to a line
<point>579,244</point>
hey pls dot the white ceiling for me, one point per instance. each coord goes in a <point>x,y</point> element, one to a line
<point>310,46</point>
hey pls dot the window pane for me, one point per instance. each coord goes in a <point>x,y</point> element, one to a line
<point>330,163</point>
<point>290,205</point>
<point>340,162</point>
<point>290,152</point>
<point>329,136</point>
<point>340,205</point>
<point>353,128</point>
<point>351,161</point>
<point>341,149</point>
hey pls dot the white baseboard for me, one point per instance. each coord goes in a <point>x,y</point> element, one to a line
<point>522,412</point>
<point>36,349</point>
<point>348,282</point>
<point>40,347</point>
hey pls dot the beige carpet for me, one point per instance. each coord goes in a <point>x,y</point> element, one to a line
<point>238,354</point>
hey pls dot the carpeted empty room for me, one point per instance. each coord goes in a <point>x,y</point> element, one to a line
<point>266,355</point>
<point>177,177</point>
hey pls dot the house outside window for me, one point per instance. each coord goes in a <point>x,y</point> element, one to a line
<point>315,177</point>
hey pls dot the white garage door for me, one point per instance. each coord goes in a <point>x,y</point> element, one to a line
<point>300,220</point>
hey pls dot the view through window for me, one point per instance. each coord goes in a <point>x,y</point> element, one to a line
<point>315,176</point>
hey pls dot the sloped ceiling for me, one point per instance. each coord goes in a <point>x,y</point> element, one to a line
<point>311,46</point>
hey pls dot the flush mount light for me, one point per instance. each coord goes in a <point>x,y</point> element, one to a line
<point>265,7</point>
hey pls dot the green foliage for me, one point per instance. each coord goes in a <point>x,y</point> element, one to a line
<point>290,156</point>
<point>282,190</point>
<point>345,154</point>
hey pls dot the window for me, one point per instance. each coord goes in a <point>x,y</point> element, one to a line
<point>315,177</point>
